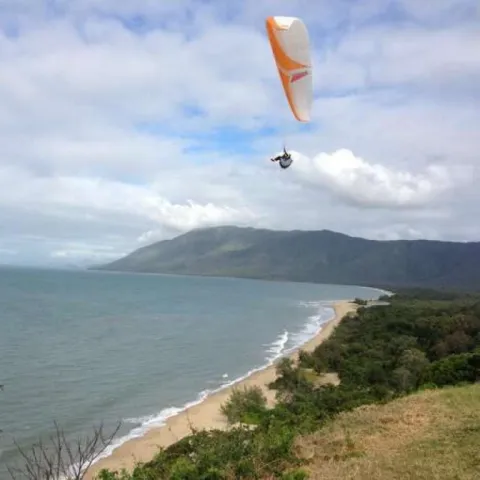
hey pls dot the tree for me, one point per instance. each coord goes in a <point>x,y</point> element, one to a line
<point>454,369</point>
<point>416,362</point>
<point>458,342</point>
<point>359,301</point>
<point>402,379</point>
<point>61,458</point>
<point>245,405</point>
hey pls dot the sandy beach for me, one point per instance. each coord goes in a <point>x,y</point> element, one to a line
<point>205,415</point>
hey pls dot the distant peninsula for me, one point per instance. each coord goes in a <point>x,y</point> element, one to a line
<point>319,256</point>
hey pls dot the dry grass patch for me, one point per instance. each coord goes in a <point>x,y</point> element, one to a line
<point>427,436</point>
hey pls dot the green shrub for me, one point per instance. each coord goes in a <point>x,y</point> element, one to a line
<point>454,369</point>
<point>359,301</point>
<point>246,405</point>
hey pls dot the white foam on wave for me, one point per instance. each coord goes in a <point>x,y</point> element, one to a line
<point>324,312</point>
<point>276,348</point>
<point>284,344</point>
<point>148,422</point>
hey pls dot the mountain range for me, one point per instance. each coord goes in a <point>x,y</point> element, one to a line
<point>319,256</point>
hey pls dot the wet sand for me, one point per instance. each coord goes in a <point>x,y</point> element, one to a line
<point>205,415</point>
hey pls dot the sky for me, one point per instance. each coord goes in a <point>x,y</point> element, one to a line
<point>124,122</point>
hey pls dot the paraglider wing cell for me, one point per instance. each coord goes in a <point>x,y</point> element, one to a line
<point>289,41</point>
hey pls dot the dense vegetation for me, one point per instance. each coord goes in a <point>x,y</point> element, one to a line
<point>381,353</point>
<point>310,256</point>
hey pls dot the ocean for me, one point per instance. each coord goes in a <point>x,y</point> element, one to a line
<point>84,347</point>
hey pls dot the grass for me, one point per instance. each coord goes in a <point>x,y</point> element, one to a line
<point>322,379</point>
<point>430,435</point>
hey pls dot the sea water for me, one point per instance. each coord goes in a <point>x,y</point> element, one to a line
<point>84,347</point>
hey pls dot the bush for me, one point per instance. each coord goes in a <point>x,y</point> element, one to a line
<point>245,406</point>
<point>454,369</point>
<point>359,301</point>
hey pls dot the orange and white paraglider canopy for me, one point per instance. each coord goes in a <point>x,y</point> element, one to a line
<point>291,50</point>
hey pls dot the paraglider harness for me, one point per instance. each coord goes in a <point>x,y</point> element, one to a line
<point>285,159</point>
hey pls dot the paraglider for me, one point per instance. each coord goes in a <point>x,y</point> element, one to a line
<point>289,42</point>
<point>285,159</point>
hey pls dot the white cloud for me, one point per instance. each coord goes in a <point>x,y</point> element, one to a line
<point>80,252</point>
<point>113,136</point>
<point>372,185</point>
<point>399,231</point>
<point>96,197</point>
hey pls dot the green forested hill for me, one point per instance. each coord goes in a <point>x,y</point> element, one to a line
<point>311,256</point>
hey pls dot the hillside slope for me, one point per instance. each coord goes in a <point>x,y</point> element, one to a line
<point>311,256</point>
<point>429,435</point>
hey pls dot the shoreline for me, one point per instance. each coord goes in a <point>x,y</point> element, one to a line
<point>206,414</point>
